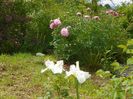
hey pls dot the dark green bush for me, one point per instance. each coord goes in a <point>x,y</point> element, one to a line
<point>88,40</point>
<point>37,36</point>
<point>13,21</point>
<point>24,25</point>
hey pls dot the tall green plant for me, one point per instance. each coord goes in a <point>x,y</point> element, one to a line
<point>88,40</point>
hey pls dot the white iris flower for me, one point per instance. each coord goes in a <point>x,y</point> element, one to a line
<point>55,68</point>
<point>79,74</point>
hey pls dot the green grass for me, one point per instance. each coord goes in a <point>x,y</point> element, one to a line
<point>20,78</point>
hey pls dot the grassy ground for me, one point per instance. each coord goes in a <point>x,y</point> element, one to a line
<point>20,78</point>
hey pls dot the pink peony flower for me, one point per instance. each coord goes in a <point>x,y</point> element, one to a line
<point>64,32</point>
<point>52,26</point>
<point>111,12</point>
<point>55,23</point>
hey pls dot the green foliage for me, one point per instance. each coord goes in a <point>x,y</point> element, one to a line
<point>128,49</point>
<point>127,11</point>
<point>103,74</point>
<point>13,20</point>
<point>24,25</point>
<point>126,19</point>
<point>117,88</point>
<point>88,39</point>
<point>37,36</point>
<point>119,69</point>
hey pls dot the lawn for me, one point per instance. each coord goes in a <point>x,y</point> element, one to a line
<point>20,78</point>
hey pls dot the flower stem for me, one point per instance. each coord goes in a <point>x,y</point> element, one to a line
<point>77,88</point>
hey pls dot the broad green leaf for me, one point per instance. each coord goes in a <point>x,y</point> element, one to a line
<point>124,47</point>
<point>129,51</point>
<point>130,42</point>
<point>130,61</point>
<point>116,65</point>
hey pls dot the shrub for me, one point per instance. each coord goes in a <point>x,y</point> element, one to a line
<point>38,33</point>
<point>127,19</point>
<point>24,25</point>
<point>13,21</point>
<point>38,36</point>
<point>88,39</point>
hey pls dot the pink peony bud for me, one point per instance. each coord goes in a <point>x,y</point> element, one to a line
<point>109,11</point>
<point>88,9</point>
<point>64,32</point>
<point>79,14</point>
<point>96,18</point>
<point>87,17</point>
<point>57,22</point>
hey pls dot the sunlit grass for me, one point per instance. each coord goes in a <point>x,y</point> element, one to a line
<point>20,78</point>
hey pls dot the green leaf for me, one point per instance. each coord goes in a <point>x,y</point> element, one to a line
<point>116,65</point>
<point>130,61</point>
<point>123,69</point>
<point>124,47</point>
<point>130,42</point>
<point>129,51</point>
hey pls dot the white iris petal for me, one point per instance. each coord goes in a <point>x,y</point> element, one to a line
<point>79,74</point>
<point>55,68</point>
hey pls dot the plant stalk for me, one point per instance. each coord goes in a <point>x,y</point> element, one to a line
<point>77,88</point>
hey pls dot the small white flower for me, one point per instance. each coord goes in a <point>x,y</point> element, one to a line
<point>79,74</point>
<point>55,68</point>
<point>39,54</point>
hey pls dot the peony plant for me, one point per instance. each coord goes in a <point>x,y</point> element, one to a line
<point>87,40</point>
